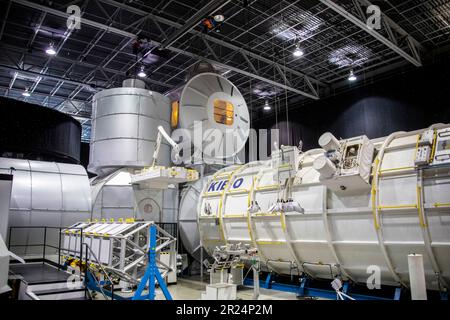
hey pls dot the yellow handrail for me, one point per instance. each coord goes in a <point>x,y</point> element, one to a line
<point>249,199</point>
<point>399,206</point>
<point>238,191</point>
<point>212,194</point>
<point>272,186</point>
<point>433,149</point>
<point>271,242</point>
<point>283,222</point>
<point>374,193</point>
<point>264,214</point>
<point>397,169</point>
<point>221,203</point>
<point>419,208</point>
<point>445,204</point>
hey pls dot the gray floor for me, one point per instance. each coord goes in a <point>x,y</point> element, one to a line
<point>191,289</point>
<point>39,273</point>
<point>187,288</point>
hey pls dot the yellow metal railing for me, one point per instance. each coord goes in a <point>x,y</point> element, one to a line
<point>396,169</point>
<point>438,205</point>
<point>268,187</point>
<point>238,191</point>
<point>374,195</point>
<point>419,207</point>
<point>398,206</point>
<point>271,242</point>
<point>266,214</point>
<point>212,194</point>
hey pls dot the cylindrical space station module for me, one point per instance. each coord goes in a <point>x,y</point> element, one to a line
<point>124,127</point>
<point>123,137</point>
<point>341,210</point>
<point>44,194</point>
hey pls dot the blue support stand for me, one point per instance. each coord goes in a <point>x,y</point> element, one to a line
<point>151,273</point>
<point>301,289</point>
<point>397,294</point>
<point>345,287</point>
<point>268,281</point>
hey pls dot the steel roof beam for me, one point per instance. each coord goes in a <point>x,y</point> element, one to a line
<point>84,64</point>
<point>193,21</point>
<point>41,94</point>
<point>207,37</point>
<point>249,74</point>
<point>414,58</point>
<point>252,66</point>
<point>47,76</point>
<point>171,48</point>
<point>394,26</point>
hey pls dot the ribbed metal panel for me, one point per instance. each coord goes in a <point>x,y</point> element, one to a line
<point>124,129</point>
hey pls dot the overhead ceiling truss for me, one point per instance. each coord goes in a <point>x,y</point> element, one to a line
<point>302,87</point>
<point>390,34</point>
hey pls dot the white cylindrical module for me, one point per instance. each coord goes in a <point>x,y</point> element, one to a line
<point>339,233</point>
<point>329,142</point>
<point>124,128</point>
<point>114,197</point>
<point>417,277</point>
<point>45,194</point>
<point>187,217</point>
<point>324,166</point>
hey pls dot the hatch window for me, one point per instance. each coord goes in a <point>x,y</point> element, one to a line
<point>223,112</point>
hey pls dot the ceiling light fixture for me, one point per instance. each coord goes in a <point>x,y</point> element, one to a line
<point>267,106</point>
<point>297,52</point>
<point>50,50</point>
<point>26,93</point>
<point>142,73</point>
<point>219,18</point>
<point>351,76</point>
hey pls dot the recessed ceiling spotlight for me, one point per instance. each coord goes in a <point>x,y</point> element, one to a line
<point>267,106</point>
<point>297,52</point>
<point>26,93</point>
<point>219,18</point>
<point>142,73</point>
<point>50,50</point>
<point>351,76</point>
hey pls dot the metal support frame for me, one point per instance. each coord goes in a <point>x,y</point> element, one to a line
<point>121,263</point>
<point>151,274</point>
<point>389,27</point>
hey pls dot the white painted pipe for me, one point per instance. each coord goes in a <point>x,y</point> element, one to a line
<point>255,283</point>
<point>417,277</point>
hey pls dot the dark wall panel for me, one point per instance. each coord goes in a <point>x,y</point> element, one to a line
<point>37,133</point>
<point>406,102</point>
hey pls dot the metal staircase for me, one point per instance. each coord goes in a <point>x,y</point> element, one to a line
<point>45,281</point>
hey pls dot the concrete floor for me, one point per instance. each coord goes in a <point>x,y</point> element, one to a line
<point>191,289</point>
